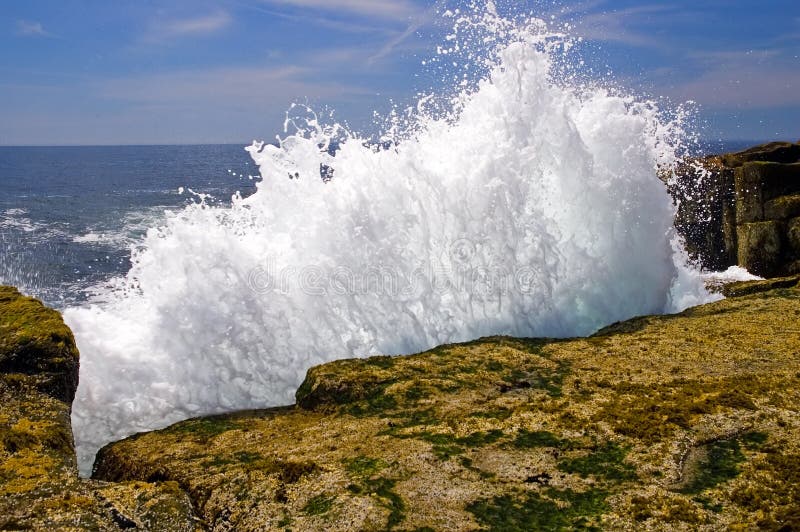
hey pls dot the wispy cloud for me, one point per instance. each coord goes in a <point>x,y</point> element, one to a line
<point>386,9</point>
<point>321,21</point>
<point>425,18</point>
<point>27,28</point>
<point>241,86</point>
<point>164,30</point>
<point>626,26</point>
<point>787,38</point>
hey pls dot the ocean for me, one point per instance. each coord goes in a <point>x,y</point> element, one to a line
<point>69,216</point>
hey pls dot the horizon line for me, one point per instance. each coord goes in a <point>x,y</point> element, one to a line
<point>756,141</point>
<point>131,145</point>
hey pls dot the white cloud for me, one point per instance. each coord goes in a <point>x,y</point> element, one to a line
<point>730,79</point>
<point>186,27</point>
<point>31,29</point>
<point>387,9</point>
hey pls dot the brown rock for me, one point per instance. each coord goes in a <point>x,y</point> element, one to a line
<point>759,183</point>
<point>714,194</point>
<point>793,237</point>
<point>779,152</point>
<point>749,193</point>
<point>760,247</point>
<point>782,208</point>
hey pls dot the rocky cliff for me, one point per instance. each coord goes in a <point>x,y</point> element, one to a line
<point>742,208</point>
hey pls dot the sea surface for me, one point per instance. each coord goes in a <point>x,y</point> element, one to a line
<point>69,216</point>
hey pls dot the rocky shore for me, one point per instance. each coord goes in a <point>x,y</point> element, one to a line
<point>663,422</point>
<point>681,422</point>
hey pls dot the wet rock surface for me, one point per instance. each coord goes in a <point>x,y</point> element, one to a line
<point>684,422</point>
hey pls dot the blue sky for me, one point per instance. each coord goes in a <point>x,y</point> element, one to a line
<point>175,71</point>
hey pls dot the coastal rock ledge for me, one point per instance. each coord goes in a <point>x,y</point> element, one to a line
<point>39,484</point>
<point>682,422</point>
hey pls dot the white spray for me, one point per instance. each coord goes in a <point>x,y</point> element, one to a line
<point>530,208</point>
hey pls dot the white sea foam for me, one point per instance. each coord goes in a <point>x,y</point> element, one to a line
<point>17,219</point>
<point>125,232</point>
<point>731,275</point>
<point>529,207</point>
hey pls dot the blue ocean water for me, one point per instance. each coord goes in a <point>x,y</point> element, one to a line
<point>69,215</point>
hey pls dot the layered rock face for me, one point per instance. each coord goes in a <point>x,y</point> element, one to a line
<point>742,208</point>
<point>686,422</point>
<point>39,484</point>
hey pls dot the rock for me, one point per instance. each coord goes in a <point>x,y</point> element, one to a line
<point>758,184</point>
<point>677,422</point>
<point>782,208</point>
<point>39,484</point>
<point>34,342</point>
<point>779,152</point>
<point>703,190</point>
<point>793,236</point>
<point>324,387</point>
<point>760,248</point>
<point>766,191</point>
<point>749,194</point>
<point>717,196</point>
<point>746,288</point>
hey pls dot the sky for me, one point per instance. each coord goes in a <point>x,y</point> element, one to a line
<point>78,72</point>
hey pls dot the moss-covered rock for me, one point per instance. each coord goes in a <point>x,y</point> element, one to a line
<point>753,287</point>
<point>778,152</point>
<point>34,341</point>
<point>39,484</point>
<point>324,385</point>
<point>664,422</point>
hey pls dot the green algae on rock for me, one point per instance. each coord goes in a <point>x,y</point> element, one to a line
<point>679,422</point>
<point>35,342</point>
<point>39,484</point>
<point>752,287</point>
